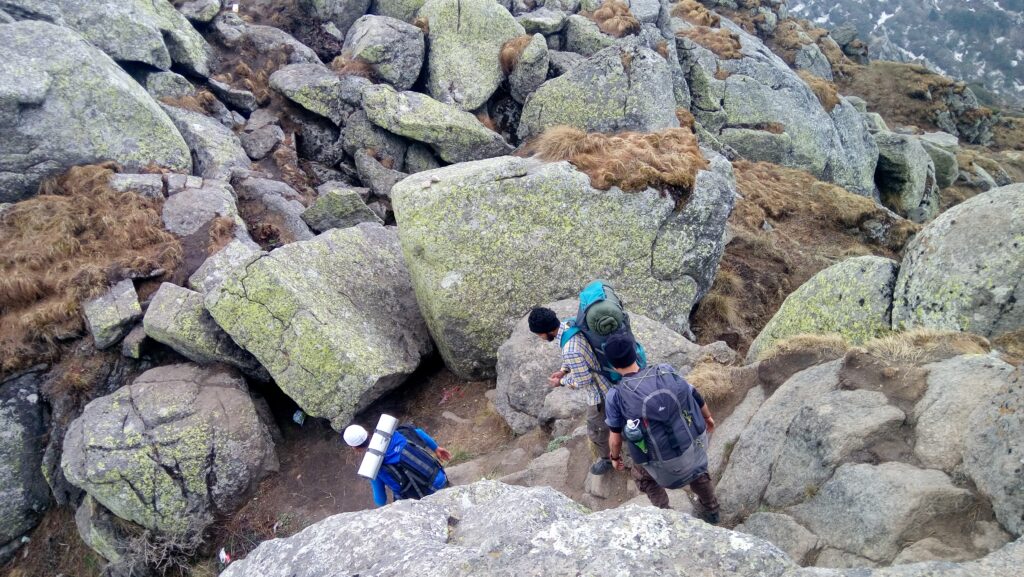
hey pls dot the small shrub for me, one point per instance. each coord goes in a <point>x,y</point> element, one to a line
<point>511,51</point>
<point>614,19</point>
<point>825,91</point>
<point>632,161</point>
<point>721,42</point>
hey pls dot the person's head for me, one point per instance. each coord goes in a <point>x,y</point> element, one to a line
<point>356,437</point>
<point>544,323</point>
<point>620,350</point>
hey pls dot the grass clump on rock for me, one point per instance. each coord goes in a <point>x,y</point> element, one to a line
<point>614,19</point>
<point>68,245</point>
<point>825,91</point>
<point>721,42</point>
<point>632,161</point>
<point>511,51</point>
<point>695,13</point>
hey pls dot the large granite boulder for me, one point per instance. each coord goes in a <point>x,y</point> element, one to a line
<point>624,87</point>
<point>522,395</point>
<point>216,149</point>
<point>963,270</point>
<point>333,319</point>
<point>168,452</point>
<point>487,240</point>
<point>319,90</point>
<point>149,31</point>
<point>456,135</point>
<point>393,49</point>
<point>761,108</point>
<point>24,494</point>
<point>67,103</point>
<point>464,42</point>
<point>852,298</point>
<point>906,176</point>
<point>404,10</point>
<point>489,528</point>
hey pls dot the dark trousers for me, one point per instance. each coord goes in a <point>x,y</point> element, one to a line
<point>701,486</point>
<point>597,430</point>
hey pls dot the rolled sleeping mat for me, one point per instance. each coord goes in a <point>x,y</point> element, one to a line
<point>374,457</point>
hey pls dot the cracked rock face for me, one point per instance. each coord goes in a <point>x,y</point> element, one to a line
<point>169,451</point>
<point>333,319</point>
<point>485,241</point>
<point>23,490</point>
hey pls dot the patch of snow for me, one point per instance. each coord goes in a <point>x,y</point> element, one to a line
<point>885,16</point>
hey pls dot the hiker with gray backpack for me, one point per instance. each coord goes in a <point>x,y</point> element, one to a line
<point>584,366</point>
<point>666,424</point>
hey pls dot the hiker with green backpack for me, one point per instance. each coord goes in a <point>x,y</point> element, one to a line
<point>584,366</point>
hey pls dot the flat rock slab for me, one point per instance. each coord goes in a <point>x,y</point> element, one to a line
<point>111,315</point>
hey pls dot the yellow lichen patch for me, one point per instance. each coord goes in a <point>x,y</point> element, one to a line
<point>632,161</point>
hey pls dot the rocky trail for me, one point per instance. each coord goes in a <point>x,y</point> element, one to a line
<point>229,230</point>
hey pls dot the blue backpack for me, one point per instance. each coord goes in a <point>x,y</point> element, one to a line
<point>601,316</point>
<point>416,468</point>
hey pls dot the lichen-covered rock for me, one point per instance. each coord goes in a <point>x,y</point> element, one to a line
<point>216,148</point>
<point>583,37</point>
<point>215,269</point>
<point>319,90</point>
<point>177,318</point>
<point>99,529</point>
<point>200,11</point>
<point>167,84</point>
<point>419,158</point>
<point>149,31</point>
<point>522,395</point>
<point>341,13</point>
<point>852,298</point>
<point>24,494</point>
<point>234,32</point>
<point>993,447</point>
<point>338,208</point>
<point>361,134</point>
<point>393,49</point>
<point>947,168</point>
<point>111,315</point>
<point>457,136</point>
<point>624,87</point>
<point>404,10</point>
<point>48,71</point>
<point>963,270</point>
<point>758,106</point>
<point>465,41</point>
<point>542,21</point>
<point>531,69</point>
<point>375,175</point>
<point>280,203</point>
<point>235,97</point>
<point>333,319</point>
<point>474,233</point>
<point>489,528</point>
<point>147,185</point>
<point>906,176</point>
<point>783,532</point>
<point>260,142</point>
<point>188,210</point>
<point>167,452</point>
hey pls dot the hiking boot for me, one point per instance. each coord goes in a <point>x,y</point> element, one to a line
<point>710,517</point>
<point>601,466</point>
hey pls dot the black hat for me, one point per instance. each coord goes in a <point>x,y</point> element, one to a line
<point>543,321</point>
<point>620,350</point>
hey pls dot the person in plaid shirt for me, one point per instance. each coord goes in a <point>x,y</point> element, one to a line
<point>580,370</point>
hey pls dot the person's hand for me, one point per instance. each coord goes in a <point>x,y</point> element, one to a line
<point>443,454</point>
<point>555,380</point>
<point>618,464</point>
<point>711,424</point>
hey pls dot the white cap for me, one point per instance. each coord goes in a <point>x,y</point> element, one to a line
<point>355,435</point>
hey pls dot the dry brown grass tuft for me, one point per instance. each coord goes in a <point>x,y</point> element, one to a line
<point>685,118</point>
<point>827,93</point>
<point>286,159</point>
<point>1012,344</point>
<point>632,161</point>
<point>714,381</point>
<point>201,102</point>
<point>662,49</point>
<point>695,13</point>
<point>423,23</point>
<point>511,51</point>
<point>831,345</point>
<point>68,245</point>
<point>718,311</point>
<point>723,43</point>
<point>484,118</point>
<point>345,65</point>
<point>918,346</point>
<point>614,19</point>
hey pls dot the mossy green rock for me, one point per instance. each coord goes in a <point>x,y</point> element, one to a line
<point>169,451</point>
<point>456,135</point>
<point>851,298</point>
<point>463,47</point>
<point>487,240</point>
<point>67,103</point>
<point>150,31</point>
<point>963,271</point>
<point>333,319</point>
<point>625,87</point>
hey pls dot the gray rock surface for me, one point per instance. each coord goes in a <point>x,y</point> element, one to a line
<point>465,227</point>
<point>189,209</point>
<point>111,315</point>
<point>531,69</point>
<point>234,97</point>
<point>24,494</point>
<point>338,208</point>
<point>147,185</point>
<point>280,203</point>
<point>503,530</point>
<point>215,269</point>
<point>231,30</point>
<point>319,90</point>
<point>963,270</point>
<point>393,49</point>
<point>200,11</point>
<point>603,94</point>
<point>167,84</point>
<point>168,451</point>
<point>583,37</point>
<point>99,529</point>
<point>341,13</point>
<point>215,147</point>
<point>561,62</point>
<point>947,168</point>
<point>333,319</point>
<point>465,41</point>
<point>260,142</point>
<point>49,70</point>
<point>419,158</point>
<point>378,178</point>
<point>457,136</point>
<point>783,532</point>
<point>177,318</point>
<point>543,20</point>
<point>361,134</point>
<point>728,431</point>
<point>906,176</point>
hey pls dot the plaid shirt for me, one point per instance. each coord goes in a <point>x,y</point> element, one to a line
<point>584,371</point>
